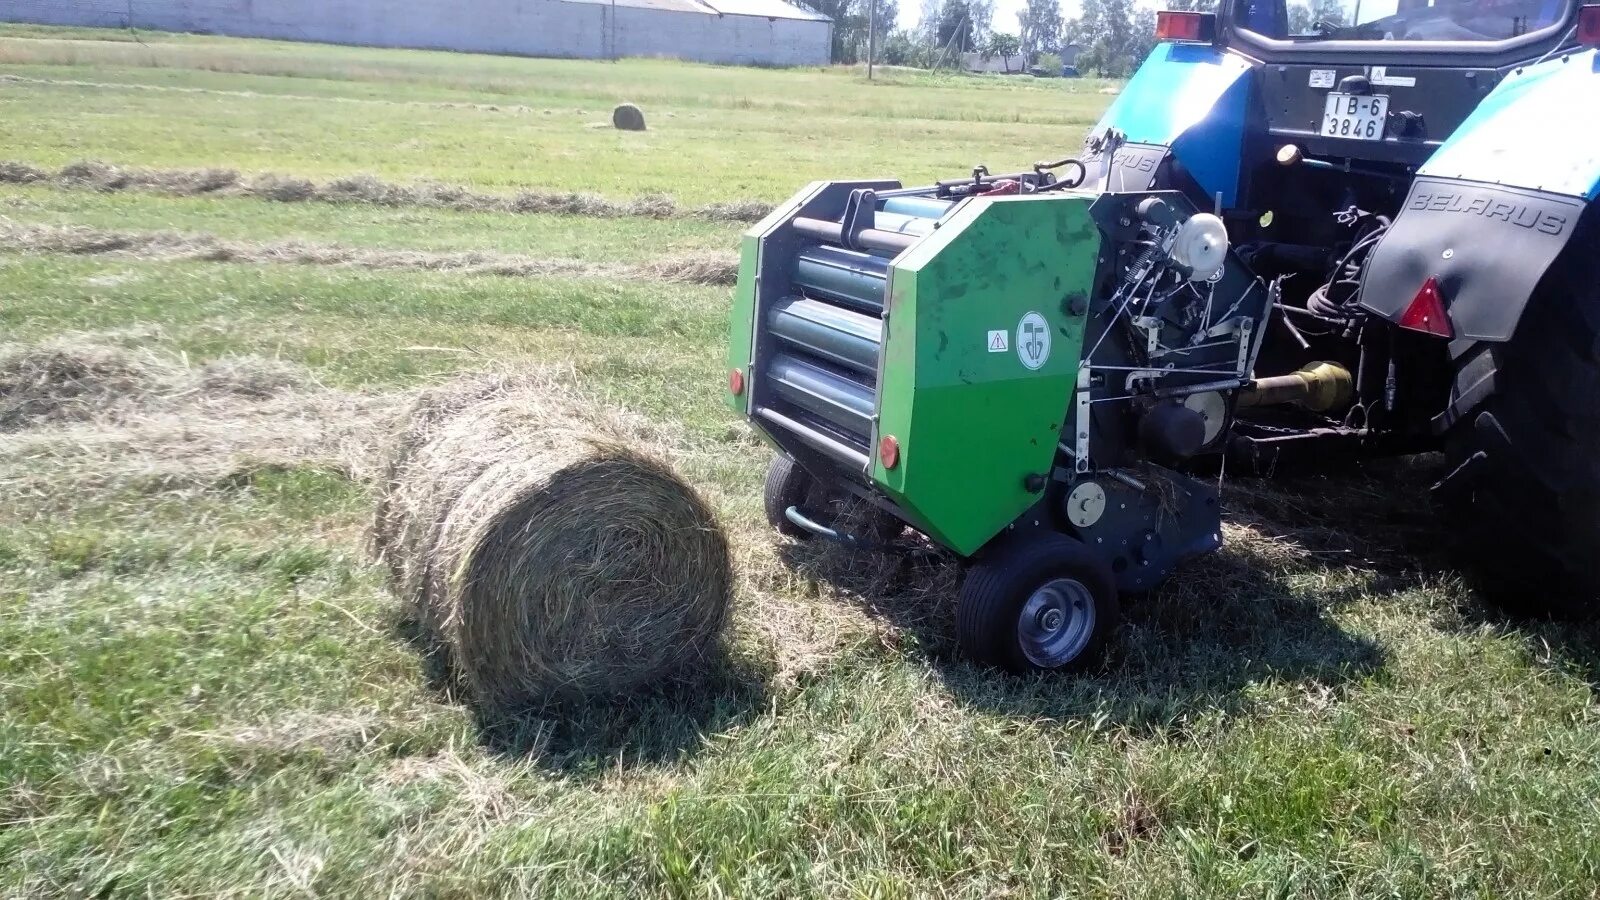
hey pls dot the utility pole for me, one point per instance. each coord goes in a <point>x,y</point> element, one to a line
<point>872,34</point>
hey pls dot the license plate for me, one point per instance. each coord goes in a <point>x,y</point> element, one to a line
<point>1357,116</point>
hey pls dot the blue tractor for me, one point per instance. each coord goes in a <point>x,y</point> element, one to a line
<point>1420,179</point>
<point>1358,228</point>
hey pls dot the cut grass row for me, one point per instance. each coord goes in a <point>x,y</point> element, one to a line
<point>716,134</point>
<point>366,225</point>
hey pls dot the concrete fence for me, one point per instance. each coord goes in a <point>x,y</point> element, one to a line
<point>682,29</point>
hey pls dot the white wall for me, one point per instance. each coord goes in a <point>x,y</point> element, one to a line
<point>527,27</point>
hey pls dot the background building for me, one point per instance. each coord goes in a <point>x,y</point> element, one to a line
<point>746,32</point>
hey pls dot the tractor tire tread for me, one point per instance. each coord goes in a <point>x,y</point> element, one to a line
<point>1532,523</point>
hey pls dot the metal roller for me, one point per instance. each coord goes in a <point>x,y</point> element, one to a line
<point>830,332</point>
<point>924,207</point>
<point>903,224</point>
<point>828,395</point>
<point>844,275</point>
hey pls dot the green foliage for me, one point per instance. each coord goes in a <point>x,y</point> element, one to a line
<point>1040,21</point>
<point>850,24</point>
<point>1115,35</point>
<point>1049,65</point>
<point>956,32</point>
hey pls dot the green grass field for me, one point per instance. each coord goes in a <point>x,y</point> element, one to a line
<point>205,689</point>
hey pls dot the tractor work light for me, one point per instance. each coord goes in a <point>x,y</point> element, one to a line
<point>1589,25</point>
<point>1185,27</point>
<point>1426,314</point>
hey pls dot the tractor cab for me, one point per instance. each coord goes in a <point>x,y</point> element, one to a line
<point>1385,81</point>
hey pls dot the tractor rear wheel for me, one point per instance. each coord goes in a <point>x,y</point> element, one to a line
<point>1530,457</point>
<point>1043,603</point>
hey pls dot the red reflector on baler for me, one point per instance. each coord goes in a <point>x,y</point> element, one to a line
<point>1176,25</point>
<point>735,382</point>
<point>889,451</point>
<point>1589,25</point>
<point>1427,313</point>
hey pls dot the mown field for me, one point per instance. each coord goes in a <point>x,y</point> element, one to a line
<point>205,689</point>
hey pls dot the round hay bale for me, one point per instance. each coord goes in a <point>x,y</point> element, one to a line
<point>551,558</point>
<point>627,117</point>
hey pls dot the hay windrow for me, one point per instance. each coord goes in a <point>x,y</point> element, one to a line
<point>552,558</point>
<point>693,268</point>
<point>76,413</point>
<point>369,190</point>
<point>65,381</point>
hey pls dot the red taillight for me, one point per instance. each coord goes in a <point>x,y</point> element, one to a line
<point>889,451</point>
<point>1176,25</point>
<point>1589,25</point>
<point>735,382</point>
<point>1427,313</point>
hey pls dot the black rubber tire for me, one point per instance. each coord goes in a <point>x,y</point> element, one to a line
<point>790,485</point>
<point>787,485</point>
<point>997,589</point>
<point>1529,508</point>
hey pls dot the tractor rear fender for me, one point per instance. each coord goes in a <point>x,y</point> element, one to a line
<point>1188,100</point>
<point>1496,204</point>
<point>1493,209</point>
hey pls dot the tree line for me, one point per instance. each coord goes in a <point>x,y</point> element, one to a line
<point>1111,36</point>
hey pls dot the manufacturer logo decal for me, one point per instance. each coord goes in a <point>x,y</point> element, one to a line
<point>999,341</point>
<point>1514,210</point>
<point>1033,340</point>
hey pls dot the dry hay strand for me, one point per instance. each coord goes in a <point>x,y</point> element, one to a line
<point>734,211</point>
<point>627,117</point>
<point>180,182</point>
<point>695,268</point>
<point>366,189</point>
<point>12,172</point>
<point>76,413</point>
<point>282,188</point>
<point>552,559</point>
<point>64,380</point>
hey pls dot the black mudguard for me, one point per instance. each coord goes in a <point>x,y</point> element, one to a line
<point>1487,245</point>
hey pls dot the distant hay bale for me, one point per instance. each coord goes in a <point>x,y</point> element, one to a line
<point>627,117</point>
<point>551,557</point>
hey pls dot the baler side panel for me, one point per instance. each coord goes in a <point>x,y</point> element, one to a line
<point>1537,130</point>
<point>973,422</point>
<point>741,321</point>
<point>1194,99</point>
